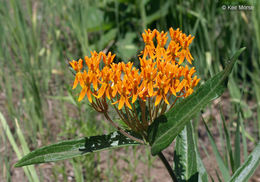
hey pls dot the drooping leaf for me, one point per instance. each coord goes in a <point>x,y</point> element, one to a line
<point>161,134</point>
<point>74,148</point>
<point>249,166</point>
<point>185,159</point>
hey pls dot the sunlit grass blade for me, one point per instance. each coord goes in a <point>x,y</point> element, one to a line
<point>237,145</point>
<point>228,144</point>
<point>74,148</point>
<point>243,133</point>
<point>223,147</point>
<point>15,147</point>
<point>223,168</point>
<point>256,87</point>
<point>26,150</point>
<point>219,179</point>
<point>77,168</point>
<point>212,179</point>
<point>248,168</point>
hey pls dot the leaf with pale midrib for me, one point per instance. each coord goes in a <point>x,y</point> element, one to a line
<point>185,159</point>
<point>74,148</point>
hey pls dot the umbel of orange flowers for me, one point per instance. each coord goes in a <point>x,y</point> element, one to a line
<point>139,95</point>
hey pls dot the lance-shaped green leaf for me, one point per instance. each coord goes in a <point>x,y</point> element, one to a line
<point>185,158</point>
<point>249,166</point>
<point>74,148</point>
<point>165,128</point>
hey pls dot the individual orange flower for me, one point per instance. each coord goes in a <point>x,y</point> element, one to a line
<point>161,41</point>
<point>148,73</point>
<point>108,59</point>
<point>134,79</point>
<point>85,82</point>
<point>149,48</point>
<point>77,66</point>
<point>185,52</point>
<point>192,82</point>
<point>93,61</point>
<point>117,73</point>
<point>163,85</point>
<point>123,90</point>
<point>173,51</point>
<point>175,34</point>
<point>184,41</point>
<point>106,77</point>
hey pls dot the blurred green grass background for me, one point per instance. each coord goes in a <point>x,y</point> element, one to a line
<point>38,38</point>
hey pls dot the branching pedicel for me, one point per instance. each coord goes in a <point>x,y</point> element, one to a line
<point>162,79</point>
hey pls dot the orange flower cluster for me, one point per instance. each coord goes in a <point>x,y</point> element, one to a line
<point>161,78</point>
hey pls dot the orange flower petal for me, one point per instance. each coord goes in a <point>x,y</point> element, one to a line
<point>89,95</point>
<point>181,59</point>
<point>108,94</point>
<point>95,84</point>
<point>114,92</point>
<point>75,82</point>
<point>102,90</point>
<point>165,100</point>
<point>82,94</point>
<point>121,102</point>
<point>115,102</point>
<point>128,104</point>
<point>150,89</point>
<point>158,99</point>
<point>173,91</point>
<point>134,98</point>
<point>181,85</point>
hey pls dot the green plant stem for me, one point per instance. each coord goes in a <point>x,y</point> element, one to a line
<point>168,167</point>
<point>123,132</point>
<point>143,14</point>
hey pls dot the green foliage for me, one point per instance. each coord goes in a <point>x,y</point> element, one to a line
<point>248,168</point>
<point>222,166</point>
<point>38,38</point>
<point>162,133</point>
<point>29,171</point>
<point>74,148</point>
<point>187,162</point>
<point>185,157</point>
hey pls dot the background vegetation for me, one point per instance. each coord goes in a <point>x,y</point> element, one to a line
<point>38,107</point>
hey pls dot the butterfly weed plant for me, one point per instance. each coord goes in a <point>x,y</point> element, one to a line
<point>156,102</point>
<point>155,88</point>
